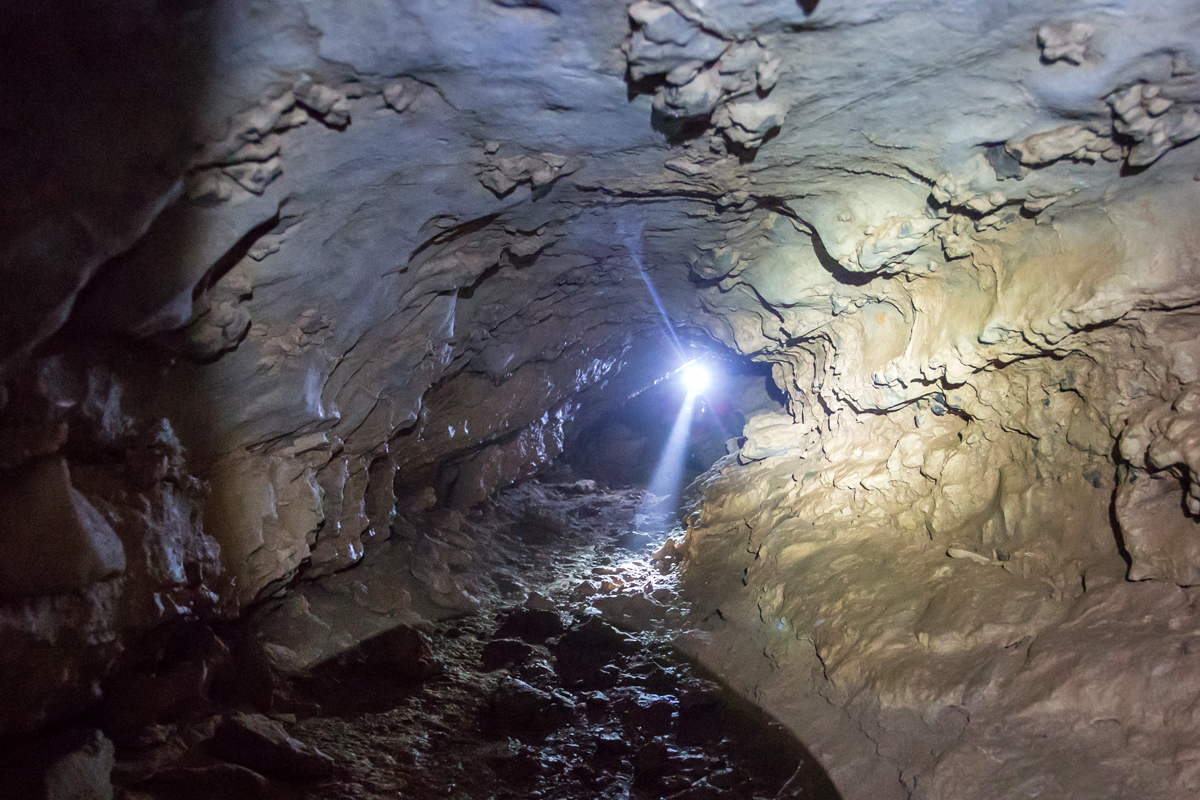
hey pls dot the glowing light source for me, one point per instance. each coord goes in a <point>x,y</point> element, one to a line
<point>695,378</point>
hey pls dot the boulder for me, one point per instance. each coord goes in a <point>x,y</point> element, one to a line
<point>226,781</point>
<point>403,653</point>
<point>502,652</point>
<point>596,635</point>
<point>52,540</point>
<point>517,705</point>
<point>530,624</point>
<point>262,744</point>
<point>73,765</point>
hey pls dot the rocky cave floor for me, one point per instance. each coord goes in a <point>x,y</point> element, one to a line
<point>524,690</point>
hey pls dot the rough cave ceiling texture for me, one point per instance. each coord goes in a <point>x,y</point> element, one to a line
<point>263,264</point>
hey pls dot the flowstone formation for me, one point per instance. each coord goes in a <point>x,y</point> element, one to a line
<point>272,271</point>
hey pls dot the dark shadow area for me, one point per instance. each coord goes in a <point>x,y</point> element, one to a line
<point>1124,473</point>
<point>840,273</point>
<point>1003,163</point>
<point>746,155</point>
<point>647,85</point>
<point>455,232</point>
<point>1118,537</point>
<point>679,130</point>
<point>101,107</point>
<point>1128,169</point>
<point>374,677</point>
<point>467,292</point>
<point>99,113</point>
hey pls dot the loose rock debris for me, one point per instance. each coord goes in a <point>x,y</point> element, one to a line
<point>573,692</point>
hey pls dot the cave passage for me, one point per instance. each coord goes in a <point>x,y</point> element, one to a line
<point>593,399</point>
<point>670,429</point>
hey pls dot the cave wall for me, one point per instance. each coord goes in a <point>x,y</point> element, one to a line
<point>257,277</point>
<point>265,263</point>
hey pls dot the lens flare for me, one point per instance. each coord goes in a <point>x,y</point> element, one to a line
<point>695,378</point>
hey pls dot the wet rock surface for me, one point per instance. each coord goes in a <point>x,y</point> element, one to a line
<point>541,696</point>
<point>535,692</point>
<point>638,724</point>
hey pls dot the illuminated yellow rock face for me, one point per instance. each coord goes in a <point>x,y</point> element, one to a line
<point>269,271</point>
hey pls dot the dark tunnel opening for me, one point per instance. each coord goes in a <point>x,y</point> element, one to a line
<point>624,444</point>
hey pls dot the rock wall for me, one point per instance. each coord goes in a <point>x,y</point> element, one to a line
<point>990,384</point>
<point>306,272</point>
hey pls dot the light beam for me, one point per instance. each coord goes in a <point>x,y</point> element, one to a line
<point>663,491</point>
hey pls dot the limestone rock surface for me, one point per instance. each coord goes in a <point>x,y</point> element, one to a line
<point>273,272</point>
